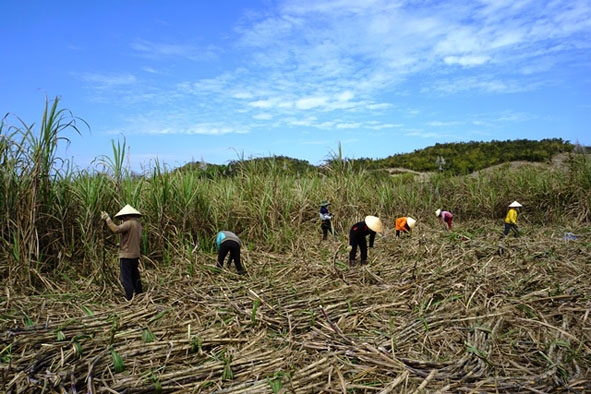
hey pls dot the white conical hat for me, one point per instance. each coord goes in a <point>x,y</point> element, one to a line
<point>374,223</point>
<point>127,210</point>
<point>411,222</point>
<point>515,204</point>
<point>438,212</point>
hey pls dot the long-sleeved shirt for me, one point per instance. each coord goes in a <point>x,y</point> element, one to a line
<point>130,232</point>
<point>224,236</point>
<point>401,224</point>
<point>361,230</point>
<point>511,217</point>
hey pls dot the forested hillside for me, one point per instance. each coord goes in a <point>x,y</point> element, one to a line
<point>466,157</point>
<point>453,158</point>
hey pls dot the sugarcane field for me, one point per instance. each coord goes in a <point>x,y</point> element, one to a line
<point>432,308</point>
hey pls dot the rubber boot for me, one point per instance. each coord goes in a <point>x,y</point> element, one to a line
<point>351,263</point>
<point>363,262</point>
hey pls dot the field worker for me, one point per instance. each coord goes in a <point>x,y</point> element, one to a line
<point>228,242</point>
<point>511,219</point>
<point>369,226</point>
<point>405,224</point>
<point>130,232</point>
<point>325,218</point>
<point>446,217</point>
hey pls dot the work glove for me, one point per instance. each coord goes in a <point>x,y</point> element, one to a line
<point>104,215</point>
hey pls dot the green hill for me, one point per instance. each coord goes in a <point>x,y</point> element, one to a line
<point>467,157</point>
<point>453,158</point>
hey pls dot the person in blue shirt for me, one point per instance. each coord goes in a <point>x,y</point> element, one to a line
<point>228,242</point>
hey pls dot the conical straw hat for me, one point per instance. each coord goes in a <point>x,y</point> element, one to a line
<point>515,204</point>
<point>374,223</point>
<point>324,203</point>
<point>438,212</point>
<point>128,210</point>
<point>411,222</point>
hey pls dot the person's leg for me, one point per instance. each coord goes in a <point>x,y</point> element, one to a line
<point>507,229</point>
<point>235,256</point>
<point>353,252</point>
<point>363,250</point>
<point>353,246</point>
<point>449,220</point>
<point>515,230</point>
<point>126,278</point>
<point>137,282</point>
<point>324,231</point>
<point>222,252</point>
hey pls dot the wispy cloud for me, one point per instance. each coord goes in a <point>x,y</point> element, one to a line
<point>328,64</point>
<point>108,81</point>
<point>162,50</point>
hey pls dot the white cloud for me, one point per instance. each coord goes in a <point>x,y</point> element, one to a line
<point>310,102</point>
<point>261,104</point>
<point>438,123</point>
<point>263,116</point>
<point>159,50</point>
<point>103,81</point>
<point>466,61</point>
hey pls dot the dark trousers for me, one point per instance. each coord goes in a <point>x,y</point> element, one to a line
<point>509,227</point>
<point>233,248</point>
<point>357,240</point>
<point>326,227</point>
<point>130,277</point>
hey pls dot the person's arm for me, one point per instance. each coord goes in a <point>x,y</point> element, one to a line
<point>112,226</point>
<point>372,237</point>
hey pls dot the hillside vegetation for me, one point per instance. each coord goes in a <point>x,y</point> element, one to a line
<point>451,158</point>
<point>437,311</point>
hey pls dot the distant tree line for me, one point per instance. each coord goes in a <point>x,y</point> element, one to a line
<point>466,157</point>
<point>453,158</point>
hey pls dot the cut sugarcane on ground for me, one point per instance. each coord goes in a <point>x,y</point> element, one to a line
<point>435,312</point>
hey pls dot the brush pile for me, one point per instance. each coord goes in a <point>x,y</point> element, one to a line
<point>435,312</point>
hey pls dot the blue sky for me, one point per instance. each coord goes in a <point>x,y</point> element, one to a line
<point>215,81</point>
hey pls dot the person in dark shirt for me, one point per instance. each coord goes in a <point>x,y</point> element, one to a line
<point>357,237</point>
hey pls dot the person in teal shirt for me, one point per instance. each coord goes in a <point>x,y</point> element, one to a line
<point>228,242</point>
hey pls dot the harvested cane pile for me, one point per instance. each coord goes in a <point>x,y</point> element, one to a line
<point>438,312</point>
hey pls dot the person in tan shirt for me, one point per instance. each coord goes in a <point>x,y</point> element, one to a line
<point>130,231</point>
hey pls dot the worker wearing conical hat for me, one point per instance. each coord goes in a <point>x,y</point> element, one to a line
<point>446,217</point>
<point>511,219</point>
<point>369,226</point>
<point>325,218</point>
<point>405,224</point>
<point>130,232</point>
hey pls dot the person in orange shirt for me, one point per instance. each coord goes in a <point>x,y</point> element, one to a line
<point>130,231</point>
<point>405,224</point>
